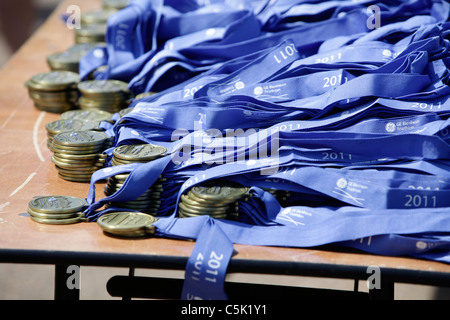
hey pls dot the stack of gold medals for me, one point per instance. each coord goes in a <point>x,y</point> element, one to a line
<point>93,26</point>
<point>94,23</point>
<point>98,16</point>
<point>54,91</point>
<point>59,126</point>
<point>127,223</point>
<point>78,154</point>
<point>57,209</point>
<point>115,4</point>
<point>148,202</point>
<point>69,60</point>
<point>91,33</point>
<point>219,199</point>
<point>107,95</point>
<point>87,115</point>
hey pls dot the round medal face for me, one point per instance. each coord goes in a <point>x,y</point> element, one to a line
<point>139,152</point>
<point>191,201</point>
<point>63,58</point>
<point>84,48</point>
<point>53,80</point>
<point>92,115</point>
<point>80,138</point>
<point>115,4</point>
<point>220,191</point>
<point>99,16</point>
<point>57,204</point>
<point>60,126</point>
<point>92,29</point>
<point>127,223</point>
<point>102,86</point>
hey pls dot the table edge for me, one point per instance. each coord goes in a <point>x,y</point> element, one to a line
<point>236,265</point>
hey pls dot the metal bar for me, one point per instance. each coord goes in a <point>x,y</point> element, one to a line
<point>433,278</point>
<point>67,282</point>
<point>127,297</point>
<point>384,292</point>
<point>167,288</point>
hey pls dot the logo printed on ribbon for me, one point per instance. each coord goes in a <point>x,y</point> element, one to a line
<point>390,127</point>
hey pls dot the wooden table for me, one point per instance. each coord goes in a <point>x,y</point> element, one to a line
<point>27,171</point>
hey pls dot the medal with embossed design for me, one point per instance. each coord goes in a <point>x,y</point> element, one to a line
<point>69,60</point>
<point>60,126</point>
<point>57,209</point>
<point>127,223</point>
<point>91,32</point>
<point>78,154</point>
<point>54,91</point>
<point>138,153</point>
<point>219,199</point>
<point>87,115</point>
<point>150,200</point>
<point>108,95</point>
<point>115,4</point>
<point>65,60</point>
<point>80,139</point>
<point>97,16</point>
<point>219,191</point>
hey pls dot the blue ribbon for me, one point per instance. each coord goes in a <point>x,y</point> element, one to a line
<point>354,106</point>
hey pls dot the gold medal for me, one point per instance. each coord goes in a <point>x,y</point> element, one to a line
<point>115,4</point>
<point>75,139</point>
<point>99,16</point>
<point>216,199</point>
<point>93,32</point>
<point>217,192</point>
<point>41,215</point>
<point>78,154</point>
<point>107,95</point>
<point>138,153</point>
<point>57,204</point>
<point>88,115</point>
<point>53,81</point>
<point>77,219</point>
<point>54,91</point>
<point>127,223</point>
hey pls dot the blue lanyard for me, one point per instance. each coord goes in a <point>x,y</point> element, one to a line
<point>355,119</point>
<point>206,268</point>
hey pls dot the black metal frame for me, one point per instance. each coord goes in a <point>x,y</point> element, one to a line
<point>132,286</point>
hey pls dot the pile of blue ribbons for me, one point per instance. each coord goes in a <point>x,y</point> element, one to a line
<point>351,98</point>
